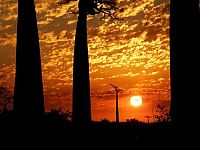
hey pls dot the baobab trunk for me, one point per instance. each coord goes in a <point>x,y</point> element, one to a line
<point>184,61</point>
<point>81,111</point>
<point>28,91</point>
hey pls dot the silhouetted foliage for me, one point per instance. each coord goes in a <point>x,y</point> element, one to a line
<point>5,94</point>
<point>105,120</point>
<point>162,113</point>
<point>59,115</point>
<point>5,97</point>
<point>103,8</point>
<point>133,120</point>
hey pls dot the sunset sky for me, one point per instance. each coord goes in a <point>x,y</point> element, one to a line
<point>132,54</point>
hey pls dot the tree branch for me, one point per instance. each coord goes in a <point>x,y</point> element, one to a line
<point>106,7</point>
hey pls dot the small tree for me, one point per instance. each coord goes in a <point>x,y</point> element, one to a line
<point>162,113</point>
<point>5,94</point>
<point>5,97</point>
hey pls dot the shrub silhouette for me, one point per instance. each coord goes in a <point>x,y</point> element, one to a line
<point>56,115</point>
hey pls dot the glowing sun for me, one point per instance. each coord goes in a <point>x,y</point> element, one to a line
<point>136,101</point>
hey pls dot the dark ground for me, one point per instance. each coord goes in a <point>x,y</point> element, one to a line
<point>98,135</point>
<point>56,132</point>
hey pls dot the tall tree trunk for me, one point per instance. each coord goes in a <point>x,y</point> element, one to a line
<point>81,111</point>
<point>28,91</point>
<point>184,27</point>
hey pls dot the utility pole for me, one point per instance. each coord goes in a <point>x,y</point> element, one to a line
<point>117,90</point>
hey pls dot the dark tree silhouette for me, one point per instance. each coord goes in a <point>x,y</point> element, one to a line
<point>5,94</point>
<point>81,111</point>
<point>56,115</point>
<point>81,108</point>
<point>5,97</point>
<point>28,91</point>
<point>184,47</point>
<point>162,112</point>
